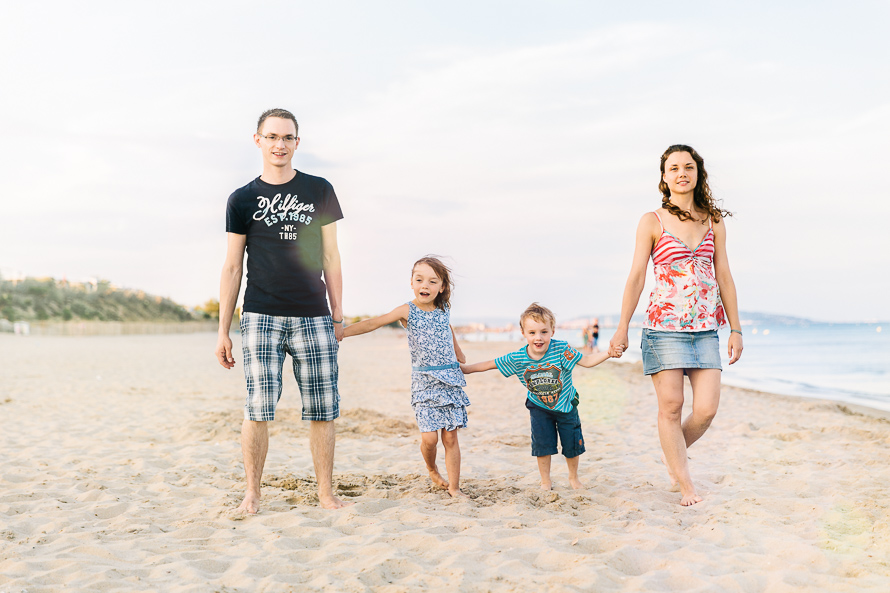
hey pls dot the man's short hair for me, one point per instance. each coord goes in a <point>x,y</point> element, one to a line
<point>540,314</point>
<point>282,113</point>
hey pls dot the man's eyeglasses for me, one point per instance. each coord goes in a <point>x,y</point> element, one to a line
<point>273,138</point>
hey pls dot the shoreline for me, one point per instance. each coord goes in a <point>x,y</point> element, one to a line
<point>122,468</point>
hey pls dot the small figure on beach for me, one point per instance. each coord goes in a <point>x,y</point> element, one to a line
<point>437,395</point>
<point>694,294</point>
<point>288,221</point>
<point>591,335</point>
<point>544,366</point>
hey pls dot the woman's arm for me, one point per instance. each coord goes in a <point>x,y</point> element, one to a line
<point>457,351</point>
<point>400,313</point>
<point>478,367</point>
<point>647,233</point>
<point>734,345</point>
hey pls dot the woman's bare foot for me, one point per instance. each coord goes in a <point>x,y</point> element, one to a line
<point>576,483</point>
<point>670,473</point>
<point>333,503</point>
<point>690,499</point>
<point>546,485</point>
<point>456,493</point>
<point>437,479</point>
<point>251,504</point>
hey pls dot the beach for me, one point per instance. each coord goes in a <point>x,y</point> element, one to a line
<point>121,467</point>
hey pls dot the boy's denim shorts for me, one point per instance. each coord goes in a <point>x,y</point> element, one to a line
<point>548,424</point>
<point>663,350</point>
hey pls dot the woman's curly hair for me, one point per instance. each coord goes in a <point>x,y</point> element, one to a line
<point>702,197</point>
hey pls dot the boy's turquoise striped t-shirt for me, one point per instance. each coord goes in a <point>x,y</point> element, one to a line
<point>549,380</point>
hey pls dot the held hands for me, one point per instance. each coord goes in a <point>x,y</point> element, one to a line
<point>734,347</point>
<point>224,351</point>
<point>618,343</point>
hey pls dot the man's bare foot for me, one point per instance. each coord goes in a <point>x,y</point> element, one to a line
<point>437,479</point>
<point>456,493</point>
<point>251,504</point>
<point>332,502</point>
<point>548,485</point>
<point>576,484</point>
<point>670,473</point>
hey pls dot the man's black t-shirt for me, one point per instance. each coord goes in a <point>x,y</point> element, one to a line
<point>284,250</point>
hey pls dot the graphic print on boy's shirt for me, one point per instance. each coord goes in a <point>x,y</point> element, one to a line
<point>549,380</point>
<point>544,381</point>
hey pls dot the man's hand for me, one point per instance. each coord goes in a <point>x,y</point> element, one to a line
<point>224,351</point>
<point>339,329</point>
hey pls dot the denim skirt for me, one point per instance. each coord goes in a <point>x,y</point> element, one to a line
<point>663,350</point>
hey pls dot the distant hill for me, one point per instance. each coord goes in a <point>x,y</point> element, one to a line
<point>39,299</point>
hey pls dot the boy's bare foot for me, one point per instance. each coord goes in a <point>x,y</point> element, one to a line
<point>576,483</point>
<point>457,494</point>
<point>437,479</point>
<point>670,473</point>
<point>332,503</point>
<point>548,485</point>
<point>251,504</point>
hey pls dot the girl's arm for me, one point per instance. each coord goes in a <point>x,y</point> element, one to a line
<point>591,360</point>
<point>727,292</point>
<point>478,367</point>
<point>457,351</point>
<point>400,313</point>
<point>647,231</point>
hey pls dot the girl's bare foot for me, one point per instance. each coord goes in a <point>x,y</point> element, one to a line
<point>576,483</point>
<point>546,485</point>
<point>437,479</point>
<point>456,493</point>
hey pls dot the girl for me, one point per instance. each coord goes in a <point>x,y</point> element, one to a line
<point>437,394</point>
<point>694,294</point>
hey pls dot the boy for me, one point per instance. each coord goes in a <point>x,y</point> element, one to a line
<point>545,366</point>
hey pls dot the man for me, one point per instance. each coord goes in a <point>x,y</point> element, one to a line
<point>286,220</point>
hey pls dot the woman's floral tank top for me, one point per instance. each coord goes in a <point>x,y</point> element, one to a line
<point>686,297</point>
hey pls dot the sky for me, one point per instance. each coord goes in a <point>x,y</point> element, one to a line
<point>520,140</point>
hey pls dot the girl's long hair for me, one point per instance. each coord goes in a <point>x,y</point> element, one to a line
<point>443,299</point>
<point>701,194</point>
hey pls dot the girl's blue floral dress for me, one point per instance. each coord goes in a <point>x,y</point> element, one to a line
<point>437,382</point>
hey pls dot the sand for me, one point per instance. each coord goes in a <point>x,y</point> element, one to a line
<point>121,463</point>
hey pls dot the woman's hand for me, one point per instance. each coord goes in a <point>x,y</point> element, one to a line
<point>618,343</point>
<point>734,347</point>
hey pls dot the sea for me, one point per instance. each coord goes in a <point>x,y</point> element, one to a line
<point>843,362</point>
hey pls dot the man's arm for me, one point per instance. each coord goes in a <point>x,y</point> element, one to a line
<point>229,287</point>
<point>593,359</point>
<point>478,367</point>
<point>333,275</point>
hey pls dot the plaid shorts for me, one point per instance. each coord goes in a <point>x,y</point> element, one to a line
<point>265,340</point>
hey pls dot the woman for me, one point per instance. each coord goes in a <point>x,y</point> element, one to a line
<point>694,295</point>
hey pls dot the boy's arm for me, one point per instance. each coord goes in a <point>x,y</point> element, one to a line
<point>478,367</point>
<point>400,313</point>
<point>457,351</point>
<point>593,359</point>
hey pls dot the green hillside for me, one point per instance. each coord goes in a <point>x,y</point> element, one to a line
<point>39,299</point>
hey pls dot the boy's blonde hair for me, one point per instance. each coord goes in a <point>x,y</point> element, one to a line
<point>540,314</point>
